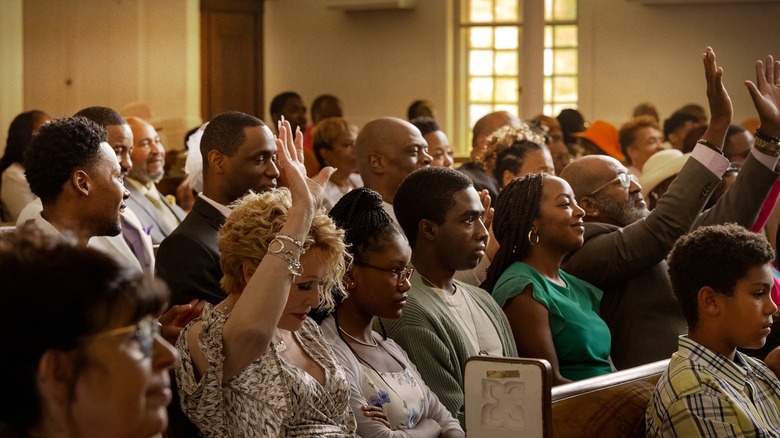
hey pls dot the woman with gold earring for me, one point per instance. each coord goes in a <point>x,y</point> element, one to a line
<point>553,315</point>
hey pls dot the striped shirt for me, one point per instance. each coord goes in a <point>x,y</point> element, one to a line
<point>703,393</point>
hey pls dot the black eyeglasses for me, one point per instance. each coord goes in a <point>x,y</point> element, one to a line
<point>625,180</point>
<point>401,274</point>
<point>144,331</point>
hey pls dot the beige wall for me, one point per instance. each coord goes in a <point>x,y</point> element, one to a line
<point>11,100</point>
<point>631,53</point>
<point>110,53</point>
<point>119,51</point>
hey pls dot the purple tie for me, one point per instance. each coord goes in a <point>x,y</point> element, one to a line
<point>133,239</point>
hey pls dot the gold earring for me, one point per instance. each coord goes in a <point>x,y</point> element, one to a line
<point>531,239</point>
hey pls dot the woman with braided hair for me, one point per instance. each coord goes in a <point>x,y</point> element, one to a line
<point>553,315</point>
<point>387,394</point>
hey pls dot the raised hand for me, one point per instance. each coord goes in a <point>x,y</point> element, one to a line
<point>718,98</point>
<point>290,156</point>
<point>766,95</point>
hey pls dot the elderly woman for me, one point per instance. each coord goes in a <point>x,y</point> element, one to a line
<point>553,315</point>
<point>81,346</point>
<point>334,145</point>
<point>15,192</point>
<point>388,395</point>
<point>514,151</point>
<point>255,364</point>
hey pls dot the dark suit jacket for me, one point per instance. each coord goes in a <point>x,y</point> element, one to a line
<point>188,259</point>
<point>147,214</point>
<point>629,264</point>
<point>481,179</point>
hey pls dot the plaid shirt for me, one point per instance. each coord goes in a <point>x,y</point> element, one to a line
<point>703,393</point>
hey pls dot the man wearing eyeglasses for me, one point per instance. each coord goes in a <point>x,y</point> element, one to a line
<point>626,244</point>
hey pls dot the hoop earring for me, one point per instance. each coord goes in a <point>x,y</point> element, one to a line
<point>531,239</point>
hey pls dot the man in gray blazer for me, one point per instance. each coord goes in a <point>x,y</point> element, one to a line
<point>626,245</point>
<point>239,154</point>
<point>158,216</point>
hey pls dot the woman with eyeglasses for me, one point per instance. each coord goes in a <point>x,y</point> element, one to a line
<point>255,364</point>
<point>553,315</point>
<point>82,354</point>
<point>387,394</point>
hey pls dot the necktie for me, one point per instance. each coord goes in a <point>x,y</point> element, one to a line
<point>133,239</point>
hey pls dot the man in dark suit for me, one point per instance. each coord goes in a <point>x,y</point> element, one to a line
<point>158,216</point>
<point>239,154</point>
<point>626,245</point>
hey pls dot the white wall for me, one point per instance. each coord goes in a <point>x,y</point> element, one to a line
<point>11,101</point>
<point>110,53</point>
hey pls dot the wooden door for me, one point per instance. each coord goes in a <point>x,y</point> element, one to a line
<point>231,57</point>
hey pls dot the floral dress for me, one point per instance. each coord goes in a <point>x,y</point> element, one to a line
<point>271,397</point>
<point>397,393</point>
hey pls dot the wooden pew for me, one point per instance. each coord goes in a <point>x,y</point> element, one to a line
<point>607,406</point>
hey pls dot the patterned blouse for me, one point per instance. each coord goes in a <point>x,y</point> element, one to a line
<point>271,397</point>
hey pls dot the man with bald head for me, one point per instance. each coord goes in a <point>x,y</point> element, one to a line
<point>388,149</point>
<point>155,212</point>
<point>482,129</point>
<point>626,245</point>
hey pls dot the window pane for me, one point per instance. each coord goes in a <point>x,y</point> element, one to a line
<point>565,89</point>
<point>481,11</point>
<point>565,62</point>
<point>481,89</point>
<point>548,62</point>
<point>506,63</point>
<point>548,110</point>
<point>506,107</point>
<point>506,90</point>
<point>548,89</point>
<point>548,10</point>
<point>506,37</point>
<point>481,37</point>
<point>566,36</point>
<point>548,36</point>
<point>478,111</point>
<point>480,63</point>
<point>565,10</point>
<point>506,10</point>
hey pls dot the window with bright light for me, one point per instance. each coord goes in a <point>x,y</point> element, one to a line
<point>492,31</point>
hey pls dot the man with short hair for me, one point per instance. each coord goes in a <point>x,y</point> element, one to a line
<point>639,139</point>
<point>239,155</point>
<point>626,245</point>
<point>677,126</point>
<point>446,321</point>
<point>723,280</point>
<point>485,126</point>
<point>290,105</point>
<point>155,212</point>
<point>388,149</point>
<point>77,177</point>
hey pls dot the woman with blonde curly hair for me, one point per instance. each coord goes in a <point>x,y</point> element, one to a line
<point>514,151</point>
<point>255,364</point>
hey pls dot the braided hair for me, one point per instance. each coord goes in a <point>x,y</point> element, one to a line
<point>516,208</point>
<point>366,224</point>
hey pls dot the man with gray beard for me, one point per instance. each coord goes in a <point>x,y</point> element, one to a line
<point>626,245</point>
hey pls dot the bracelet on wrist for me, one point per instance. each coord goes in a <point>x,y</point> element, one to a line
<point>278,248</point>
<point>766,137</point>
<point>710,145</point>
<point>768,147</point>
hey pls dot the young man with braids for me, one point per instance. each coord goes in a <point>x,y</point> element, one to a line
<point>722,278</point>
<point>625,244</point>
<point>446,321</point>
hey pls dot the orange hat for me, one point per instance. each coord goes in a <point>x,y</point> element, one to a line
<point>605,136</point>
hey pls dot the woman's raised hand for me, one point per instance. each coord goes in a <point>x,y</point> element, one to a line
<point>290,158</point>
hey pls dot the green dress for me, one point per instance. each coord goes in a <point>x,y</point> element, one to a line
<point>582,339</point>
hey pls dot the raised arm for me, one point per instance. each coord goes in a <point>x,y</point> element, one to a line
<point>721,110</point>
<point>766,97</point>
<point>252,322</point>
